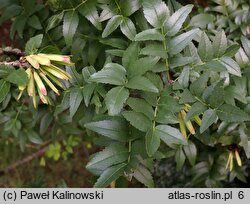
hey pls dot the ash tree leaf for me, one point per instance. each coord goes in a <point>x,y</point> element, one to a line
<point>184,77</point>
<point>149,34</point>
<point>187,97</point>
<point>190,151</point>
<point>142,65</point>
<point>180,159</point>
<point>54,21</point>
<point>143,175</point>
<point>156,12</point>
<point>209,117</point>
<point>9,12</point>
<point>220,44</point>
<point>87,92</point>
<point>128,7</point>
<point>230,113</point>
<point>180,61</point>
<point>89,11</point>
<point>114,129</point>
<point>111,155</point>
<point>241,58</point>
<point>198,86</point>
<point>34,137</point>
<point>75,100</point>
<point>141,83</point>
<point>201,20</point>
<point>18,77</point>
<point>170,135</point>
<point>205,48</point>
<point>246,45</point>
<point>196,109</point>
<point>232,50</point>
<point>178,43</point>
<point>152,142</point>
<point>18,25</point>
<point>217,96</point>
<point>4,89</point>
<point>130,55</point>
<point>115,99</point>
<point>141,106</point>
<point>110,174</point>
<point>138,120</point>
<point>128,28</point>
<point>33,44</point>
<point>244,140</point>
<point>112,24</point>
<point>34,22</point>
<point>155,49</point>
<point>6,70</point>
<point>231,66</point>
<point>70,24</point>
<point>112,73</point>
<point>175,22</point>
<point>45,123</point>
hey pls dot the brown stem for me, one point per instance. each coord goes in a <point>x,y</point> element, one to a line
<point>17,63</point>
<point>12,51</point>
<point>27,159</point>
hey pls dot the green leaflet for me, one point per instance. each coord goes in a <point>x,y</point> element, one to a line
<point>209,117</point>
<point>138,120</point>
<point>33,44</point>
<point>175,22</point>
<point>4,89</point>
<point>170,135</point>
<point>141,106</point>
<point>142,83</point>
<point>111,155</point>
<point>178,43</point>
<point>115,99</point>
<point>150,34</point>
<point>128,28</point>
<point>142,65</point>
<point>109,175</point>
<point>112,24</point>
<point>190,151</point>
<point>156,12</point>
<point>143,175</point>
<point>152,141</point>
<point>112,73</point>
<point>205,48</point>
<point>70,23</point>
<point>196,109</point>
<point>18,77</point>
<point>231,66</point>
<point>114,129</point>
<point>219,44</point>
<point>230,113</point>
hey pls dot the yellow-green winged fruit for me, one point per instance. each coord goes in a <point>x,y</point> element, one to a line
<point>58,58</point>
<point>237,157</point>
<point>32,62</point>
<point>49,83</point>
<point>182,126</point>
<point>40,85</point>
<point>56,73</point>
<point>188,123</point>
<point>41,60</point>
<point>31,85</point>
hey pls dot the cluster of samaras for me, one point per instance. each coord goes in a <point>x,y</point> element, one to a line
<point>43,73</point>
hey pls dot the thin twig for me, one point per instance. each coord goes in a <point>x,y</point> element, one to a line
<point>16,63</point>
<point>12,51</point>
<point>27,159</point>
